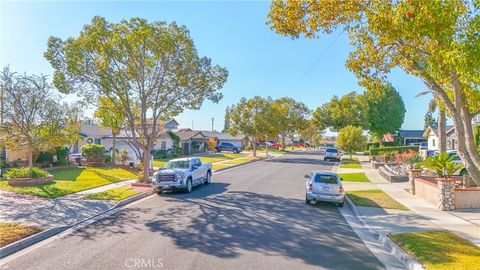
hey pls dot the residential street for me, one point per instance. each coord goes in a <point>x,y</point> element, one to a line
<point>251,217</point>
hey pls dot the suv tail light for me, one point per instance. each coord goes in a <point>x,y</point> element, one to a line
<point>340,189</point>
<point>310,186</point>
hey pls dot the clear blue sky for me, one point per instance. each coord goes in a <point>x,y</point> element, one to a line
<point>233,34</point>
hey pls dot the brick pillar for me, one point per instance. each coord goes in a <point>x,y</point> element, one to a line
<point>413,173</point>
<point>446,194</point>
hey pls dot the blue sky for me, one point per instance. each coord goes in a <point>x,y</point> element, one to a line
<point>233,34</point>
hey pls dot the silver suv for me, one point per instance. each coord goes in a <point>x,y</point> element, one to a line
<point>332,153</point>
<point>324,186</point>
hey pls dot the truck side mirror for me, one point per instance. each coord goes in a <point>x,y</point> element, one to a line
<point>307,176</point>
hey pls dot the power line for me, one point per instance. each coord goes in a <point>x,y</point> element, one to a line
<point>310,68</point>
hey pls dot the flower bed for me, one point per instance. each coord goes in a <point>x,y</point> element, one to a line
<point>20,182</point>
<point>27,176</point>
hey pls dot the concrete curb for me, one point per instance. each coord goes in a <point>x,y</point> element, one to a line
<point>33,239</point>
<point>390,246</point>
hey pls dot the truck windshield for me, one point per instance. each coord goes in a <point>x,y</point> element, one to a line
<point>181,164</point>
<point>331,150</point>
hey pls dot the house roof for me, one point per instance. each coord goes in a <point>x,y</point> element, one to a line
<point>410,133</point>
<point>94,130</point>
<point>186,134</point>
<point>449,129</point>
<point>223,136</point>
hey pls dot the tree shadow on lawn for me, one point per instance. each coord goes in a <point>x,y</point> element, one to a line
<point>66,174</point>
<point>362,201</point>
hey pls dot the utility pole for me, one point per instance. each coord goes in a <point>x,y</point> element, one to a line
<point>213,120</point>
<point>192,124</point>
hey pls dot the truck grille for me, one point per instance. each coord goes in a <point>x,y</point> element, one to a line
<point>166,177</point>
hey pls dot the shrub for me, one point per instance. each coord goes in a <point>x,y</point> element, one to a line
<point>44,159</point>
<point>62,155</point>
<point>93,152</point>
<point>107,159</point>
<point>123,157</point>
<point>25,172</point>
<point>399,149</point>
<point>442,164</point>
<point>160,154</point>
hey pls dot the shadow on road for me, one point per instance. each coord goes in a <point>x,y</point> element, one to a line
<point>299,161</point>
<point>222,225</point>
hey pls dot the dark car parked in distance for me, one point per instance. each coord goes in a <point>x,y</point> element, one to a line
<point>229,147</point>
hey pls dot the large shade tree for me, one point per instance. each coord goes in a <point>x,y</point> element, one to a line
<point>253,117</point>
<point>435,41</point>
<point>151,71</point>
<point>33,119</point>
<point>385,110</point>
<point>289,116</point>
<point>338,113</point>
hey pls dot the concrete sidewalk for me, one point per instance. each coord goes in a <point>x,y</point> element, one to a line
<point>49,213</point>
<point>423,214</point>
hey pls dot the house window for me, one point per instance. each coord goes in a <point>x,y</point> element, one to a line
<point>97,141</point>
<point>163,145</point>
<point>433,142</point>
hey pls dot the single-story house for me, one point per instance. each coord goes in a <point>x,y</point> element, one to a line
<point>221,137</point>
<point>192,141</point>
<point>411,136</point>
<point>431,134</point>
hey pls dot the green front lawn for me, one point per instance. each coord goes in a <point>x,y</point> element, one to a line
<point>114,194</point>
<point>242,160</point>
<point>12,232</point>
<point>350,163</point>
<point>205,159</point>
<point>439,250</point>
<point>71,180</point>
<point>354,177</point>
<point>374,198</point>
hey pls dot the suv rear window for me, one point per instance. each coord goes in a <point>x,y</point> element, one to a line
<point>331,150</point>
<point>326,179</point>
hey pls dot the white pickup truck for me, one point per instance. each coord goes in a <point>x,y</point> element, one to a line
<point>182,174</point>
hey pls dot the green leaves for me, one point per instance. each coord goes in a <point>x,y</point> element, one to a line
<point>338,113</point>
<point>351,139</point>
<point>442,164</point>
<point>385,110</point>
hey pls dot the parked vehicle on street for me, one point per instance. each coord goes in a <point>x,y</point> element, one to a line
<point>322,148</point>
<point>332,153</point>
<point>182,174</point>
<point>277,145</point>
<point>76,159</point>
<point>229,147</point>
<point>324,186</point>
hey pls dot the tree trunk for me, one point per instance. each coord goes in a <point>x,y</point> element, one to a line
<point>254,141</point>
<point>283,141</point>
<point>464,132</point>
<point>146,165</point>
<point>30,158</point>
<point>442,131</point>
<point>266,147</point>
<point>114,145</point>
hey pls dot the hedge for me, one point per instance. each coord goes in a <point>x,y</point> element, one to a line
<point>400,149</point>
<point>377,144</point>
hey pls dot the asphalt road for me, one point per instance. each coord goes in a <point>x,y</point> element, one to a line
<point>251,217</point>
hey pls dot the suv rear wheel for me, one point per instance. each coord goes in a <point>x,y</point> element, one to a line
<point>307,200</point>
<point>189,185</point>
